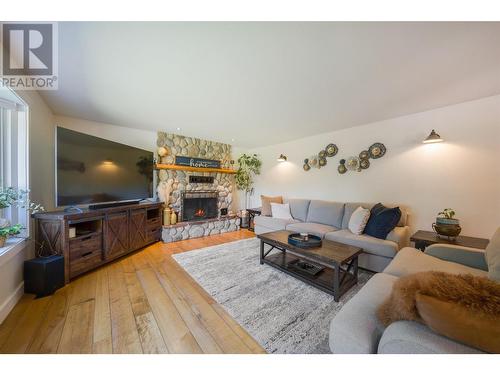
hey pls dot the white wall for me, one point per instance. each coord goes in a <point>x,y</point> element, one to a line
<point>41,183</point>
<point>144,139</point>
<point>462,173</point>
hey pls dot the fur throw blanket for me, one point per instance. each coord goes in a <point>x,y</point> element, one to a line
<point>473,293</point>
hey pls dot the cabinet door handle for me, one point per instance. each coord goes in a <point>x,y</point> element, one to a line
<point>86,254</point>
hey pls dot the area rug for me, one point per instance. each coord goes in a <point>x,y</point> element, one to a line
<point>282,313</point>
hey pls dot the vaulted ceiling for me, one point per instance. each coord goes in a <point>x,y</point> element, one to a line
<point>264,83</point>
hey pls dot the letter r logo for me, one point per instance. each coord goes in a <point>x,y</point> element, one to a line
<point>28,49</point>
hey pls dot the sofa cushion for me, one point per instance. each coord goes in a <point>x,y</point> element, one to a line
<point>369,244</point>
<point>326,212</point>
<point>410,260</point>
<point>273,222</point>
<point>355,329</point>
<point>492,253</point>
<point>265,210</point>
<point>382,221</point>
<point>281,211</point>
<point>406,337</point>
<point>358,220</point>
<point>400,235</point>
<point>311,228</point>
<point>299,208</point>
<point>351,206</point>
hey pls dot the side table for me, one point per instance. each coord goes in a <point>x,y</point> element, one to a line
<point>424,238</point>
<point>252,212</point>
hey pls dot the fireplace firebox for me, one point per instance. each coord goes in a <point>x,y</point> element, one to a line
<point>199,205</point>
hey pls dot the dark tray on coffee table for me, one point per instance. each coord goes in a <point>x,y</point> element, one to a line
<point>296,239</point>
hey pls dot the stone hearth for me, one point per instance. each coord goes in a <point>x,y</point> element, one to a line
<point>194,229</point>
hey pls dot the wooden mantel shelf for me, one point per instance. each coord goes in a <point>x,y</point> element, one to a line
<point>194,169</point>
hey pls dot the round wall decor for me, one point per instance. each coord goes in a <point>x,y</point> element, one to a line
<point>364,163</point>
<point>377,150</point>
<point>331,150</point>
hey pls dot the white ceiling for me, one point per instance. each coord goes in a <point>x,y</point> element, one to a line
<point>265,83</point>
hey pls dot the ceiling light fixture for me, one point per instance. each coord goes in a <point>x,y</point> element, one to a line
<point>433,138</point>
<point>178,128</point>
<point>282,158</point>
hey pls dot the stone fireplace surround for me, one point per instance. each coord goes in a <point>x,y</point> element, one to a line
<point>174,183</point>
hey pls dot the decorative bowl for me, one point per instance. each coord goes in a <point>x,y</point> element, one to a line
<point>448,230</point>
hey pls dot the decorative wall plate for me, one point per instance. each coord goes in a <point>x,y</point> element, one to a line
<point>364,164</point>
<point>353,163</point>
<point>313,161</point>
<point>364,155</point>
<point>322,162</point>
<point>322,154</point>
<point>377,150</point>
<point>342,169</point>
<point>331,150</point>
<point>306,167</point>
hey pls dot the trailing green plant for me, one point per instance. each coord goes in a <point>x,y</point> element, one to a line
<point>10,196</point>
<point>447,213</point>
<point>248,167</point>
<point>11,230</point>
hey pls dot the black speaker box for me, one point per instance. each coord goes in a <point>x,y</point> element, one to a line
<point>43,276</point>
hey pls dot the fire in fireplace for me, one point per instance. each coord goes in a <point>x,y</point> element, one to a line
<point>199,205</point>
<point>200,212</point>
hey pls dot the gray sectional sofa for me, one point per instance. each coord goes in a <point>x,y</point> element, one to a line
<point>330,220</point>
<point>356,329</point>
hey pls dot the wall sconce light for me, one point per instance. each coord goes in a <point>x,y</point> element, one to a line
<point>108,162</point>
<point>433,138</point>
<point>282,158</point>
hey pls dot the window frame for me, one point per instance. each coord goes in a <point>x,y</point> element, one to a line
<point>14,159</point>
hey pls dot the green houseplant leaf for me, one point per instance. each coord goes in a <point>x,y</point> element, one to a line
<point>248,167</point>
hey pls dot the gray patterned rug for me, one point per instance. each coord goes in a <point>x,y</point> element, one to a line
<point>282,313</point>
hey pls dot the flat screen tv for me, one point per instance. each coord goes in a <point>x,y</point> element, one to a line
<point>93,170</point>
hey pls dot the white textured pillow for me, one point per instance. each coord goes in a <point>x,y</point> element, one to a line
<point>358,220</point>
<point>281,211</point>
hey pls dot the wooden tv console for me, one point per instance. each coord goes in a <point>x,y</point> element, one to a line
<point>102,234</point>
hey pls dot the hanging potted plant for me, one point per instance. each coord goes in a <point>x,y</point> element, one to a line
<point>248,167</point>
<point>446,224</point>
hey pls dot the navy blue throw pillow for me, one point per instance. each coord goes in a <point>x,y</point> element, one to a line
<point>382,220</point>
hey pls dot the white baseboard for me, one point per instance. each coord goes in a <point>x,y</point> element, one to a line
<point>11,301</point>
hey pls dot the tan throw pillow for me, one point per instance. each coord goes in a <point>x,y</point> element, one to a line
<point>472,296</point>
<point>266,204</point>
<point>472,327</point>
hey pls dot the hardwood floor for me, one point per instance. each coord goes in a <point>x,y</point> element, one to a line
<point>143,303</point>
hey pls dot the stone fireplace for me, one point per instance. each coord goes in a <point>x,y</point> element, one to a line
<point>186,190</point>
<point>199,205</point>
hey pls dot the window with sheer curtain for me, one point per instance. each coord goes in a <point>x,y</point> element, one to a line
<point>13,152</point>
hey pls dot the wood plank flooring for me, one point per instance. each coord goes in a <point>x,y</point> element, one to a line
<point>143,303</point>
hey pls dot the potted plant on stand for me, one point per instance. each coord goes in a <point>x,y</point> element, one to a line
<point>13,197</point>
<point>248,167</point>
<point>446,224</point>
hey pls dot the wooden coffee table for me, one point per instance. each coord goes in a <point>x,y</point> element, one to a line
<point>340,262</point>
